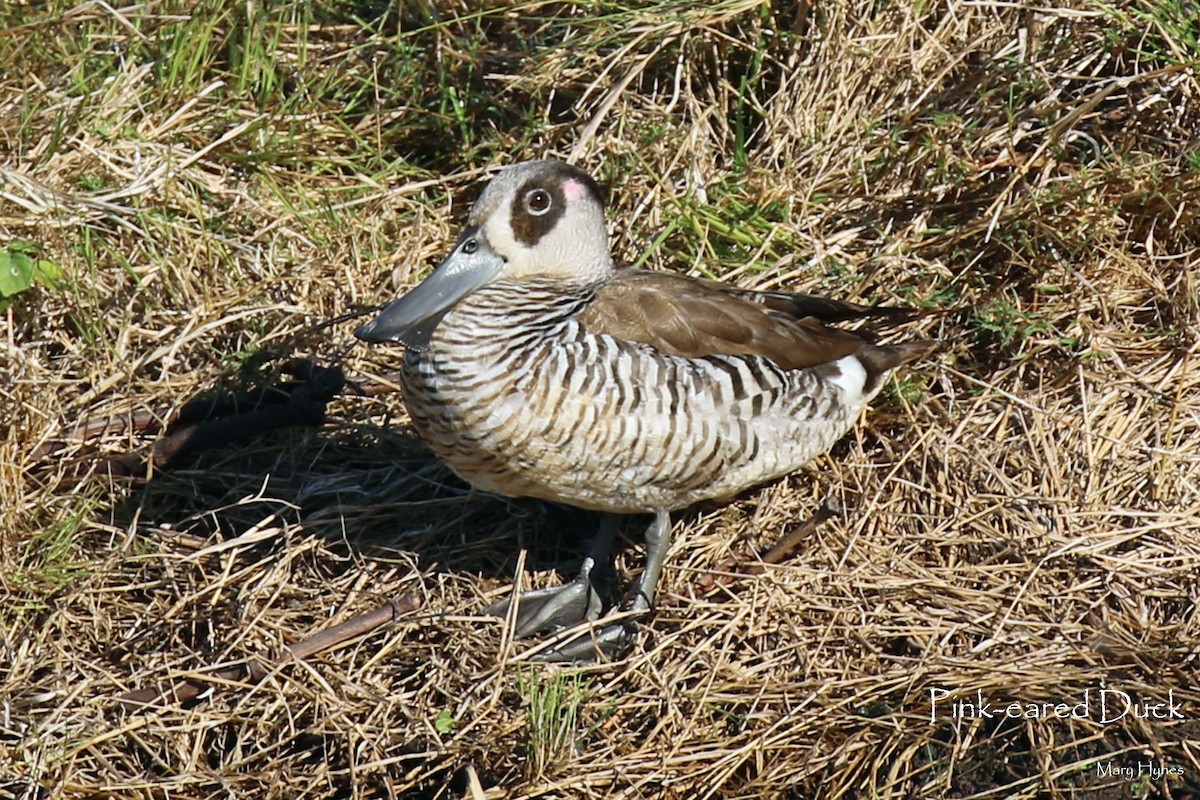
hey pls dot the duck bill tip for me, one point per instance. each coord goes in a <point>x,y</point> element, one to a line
<point>412,318</point>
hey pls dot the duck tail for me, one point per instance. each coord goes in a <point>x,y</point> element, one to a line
<point>880,359</point>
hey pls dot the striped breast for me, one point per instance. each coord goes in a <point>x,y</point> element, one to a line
<point>517,398</point>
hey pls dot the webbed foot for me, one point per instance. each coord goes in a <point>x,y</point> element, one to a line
<point>551,609</point>
<point>555,609</point>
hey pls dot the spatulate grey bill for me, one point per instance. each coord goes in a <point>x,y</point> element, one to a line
<point>412,319</point>
<point>535,368</point>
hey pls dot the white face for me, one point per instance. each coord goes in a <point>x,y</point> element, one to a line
<point>540,220</point>
<point>546,220</point>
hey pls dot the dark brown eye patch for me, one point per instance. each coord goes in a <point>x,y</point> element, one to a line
<point>536,210</point>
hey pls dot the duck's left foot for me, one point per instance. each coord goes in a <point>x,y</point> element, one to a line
<point>612,640</point>
<point>551,609</point>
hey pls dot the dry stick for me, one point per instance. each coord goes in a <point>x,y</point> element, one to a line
<point>129,422</point>
<point>788,545</point>
<point>253,672</point>
<point>780,552</point>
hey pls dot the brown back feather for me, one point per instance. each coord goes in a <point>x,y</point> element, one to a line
<point>693,317</point>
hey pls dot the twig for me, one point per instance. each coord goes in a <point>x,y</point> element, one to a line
<point>252,672</point>
<point>782,550</point>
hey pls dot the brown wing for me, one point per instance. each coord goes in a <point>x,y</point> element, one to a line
<point>827,310</point>
<point>694,317</point>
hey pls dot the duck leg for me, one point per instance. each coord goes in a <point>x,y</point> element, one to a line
<point>658,539</point>
<point>558,607</point>
<point>612,640</point>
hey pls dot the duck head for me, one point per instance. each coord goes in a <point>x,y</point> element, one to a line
<point>535,221</point>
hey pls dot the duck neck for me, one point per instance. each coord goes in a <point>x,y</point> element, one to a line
<point>528,310</point>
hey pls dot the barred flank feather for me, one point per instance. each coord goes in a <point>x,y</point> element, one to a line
<point>519,398</point>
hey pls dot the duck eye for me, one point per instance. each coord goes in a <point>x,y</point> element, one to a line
<point>537,201</point>
<point>470,246</point>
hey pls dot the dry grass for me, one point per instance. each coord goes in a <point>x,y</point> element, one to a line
<point>214,179</point>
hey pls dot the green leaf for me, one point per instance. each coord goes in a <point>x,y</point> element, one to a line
<point>16,272</point>
<point>445,722</point>
<point>48,273</point>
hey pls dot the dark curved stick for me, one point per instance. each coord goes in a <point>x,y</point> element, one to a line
<point>780,552</point>
<point>251,672</point>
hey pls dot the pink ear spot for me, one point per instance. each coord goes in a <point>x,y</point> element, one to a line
<point>573,189</point>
